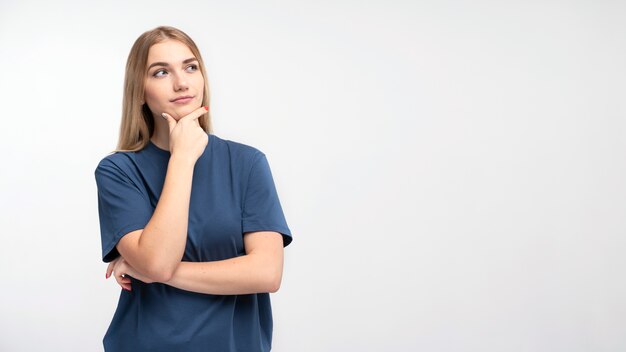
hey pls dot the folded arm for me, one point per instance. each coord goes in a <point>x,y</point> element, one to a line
<point>260,270</point>
<point>156,250</point>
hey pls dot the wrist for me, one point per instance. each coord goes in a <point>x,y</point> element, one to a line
<point>182,160</point>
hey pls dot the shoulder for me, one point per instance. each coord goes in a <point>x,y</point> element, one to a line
<point>238,152</point>
<point>118,162</point>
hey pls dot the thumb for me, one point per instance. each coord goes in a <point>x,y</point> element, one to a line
<point>110,269</point>
<point>170,121</point>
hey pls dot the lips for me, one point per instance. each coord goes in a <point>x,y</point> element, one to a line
<point>182,97</point>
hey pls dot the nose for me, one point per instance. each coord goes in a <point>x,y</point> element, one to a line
<point>180,83</point>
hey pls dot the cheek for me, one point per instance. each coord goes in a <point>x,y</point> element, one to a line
<point>199,81</point>
<point>200,86</point>
<point>151,93</point>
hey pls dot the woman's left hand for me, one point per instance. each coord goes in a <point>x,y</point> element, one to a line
<point>121,269</point>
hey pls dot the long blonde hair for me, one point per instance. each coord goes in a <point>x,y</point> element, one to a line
<point>137,125</point>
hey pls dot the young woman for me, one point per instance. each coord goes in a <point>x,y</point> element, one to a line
<point>191,224</point>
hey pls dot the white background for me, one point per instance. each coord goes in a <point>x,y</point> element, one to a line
<point>453,172</point>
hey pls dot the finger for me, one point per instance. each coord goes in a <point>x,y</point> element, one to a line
<point>196,113</point>
<point>110,269</point>
<point>125,278</point>
<point>123,281</point>
<point>127,285</point>
<point>170,121</point>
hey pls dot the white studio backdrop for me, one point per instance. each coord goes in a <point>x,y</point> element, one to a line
<point>453,171</point>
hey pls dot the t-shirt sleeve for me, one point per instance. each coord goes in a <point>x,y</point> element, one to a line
<point>122,208</point>
<point>261,209</point>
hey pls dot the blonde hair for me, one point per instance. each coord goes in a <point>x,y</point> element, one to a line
<point>137,125</point>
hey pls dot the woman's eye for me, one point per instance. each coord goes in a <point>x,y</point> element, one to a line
<point>156,73</point>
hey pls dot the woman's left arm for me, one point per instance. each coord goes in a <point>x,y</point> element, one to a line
<point>260,270</point>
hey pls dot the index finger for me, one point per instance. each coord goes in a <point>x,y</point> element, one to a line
<point>196,113</point>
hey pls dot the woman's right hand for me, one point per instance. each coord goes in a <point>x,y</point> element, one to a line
<point>121,270</point>
<point>187,138</point>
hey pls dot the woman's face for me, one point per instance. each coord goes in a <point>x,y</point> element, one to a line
<point>172,72</point>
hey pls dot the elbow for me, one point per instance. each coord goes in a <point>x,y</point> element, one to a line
<point>161,273</point>
<point>273,277</point>
<point>274,288</point>
<point>162,277</point>
<point>267,274</point>
<point>273,283</point>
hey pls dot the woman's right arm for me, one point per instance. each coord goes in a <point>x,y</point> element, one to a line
<point>157,250</point>
<point>161,244</point>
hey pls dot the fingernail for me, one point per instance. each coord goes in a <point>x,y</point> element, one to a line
<point>163,115</point>
<point>107,275</point>
<point>206,108</point>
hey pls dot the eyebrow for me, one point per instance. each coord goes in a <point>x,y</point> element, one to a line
<point>167,65</point>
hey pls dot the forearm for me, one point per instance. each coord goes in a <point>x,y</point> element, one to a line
<point>163,240</point>
<point>235,276</point>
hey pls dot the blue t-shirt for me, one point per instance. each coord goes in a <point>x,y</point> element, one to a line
<point>232,192</point>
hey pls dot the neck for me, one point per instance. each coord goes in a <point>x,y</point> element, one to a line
<point>161,135</point>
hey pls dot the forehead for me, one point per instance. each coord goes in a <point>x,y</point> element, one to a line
<point>170,51</point>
